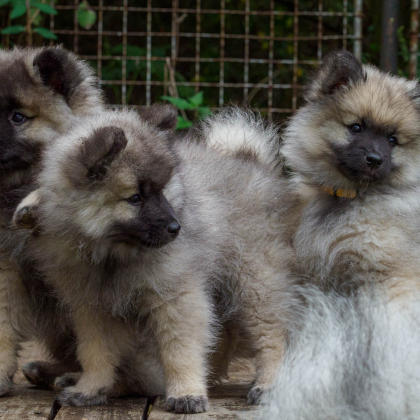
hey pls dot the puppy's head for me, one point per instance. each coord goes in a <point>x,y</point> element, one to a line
<point>41,90</point>
<point>107,181</point>
<point>359,127</point>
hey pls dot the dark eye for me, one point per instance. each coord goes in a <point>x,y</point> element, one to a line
<point>355,128</point>
<point>18,118</point>
<point>393,141</point>
<point>134,199</point>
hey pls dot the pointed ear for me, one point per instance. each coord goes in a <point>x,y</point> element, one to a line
<point>339,68</point>
<point>100,150</point>
<point>164,117</point>
<point>415,94</point>
<point>58,69</point>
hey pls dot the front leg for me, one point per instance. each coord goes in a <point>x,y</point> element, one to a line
<point>99,342</point>
<point>266,323</point>
<point>182,328</point>
<point>8,339</point>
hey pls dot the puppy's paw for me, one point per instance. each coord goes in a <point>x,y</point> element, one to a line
<point>25,216</point>
<point>255,395</point>
<point>39,374</point>
<point>73,396</point>
<point>66,380</point>
<point>188,404</point>
<point>6,385</point>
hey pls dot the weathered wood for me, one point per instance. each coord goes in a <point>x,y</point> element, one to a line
<point>25,402</point>
<point>118,409</point>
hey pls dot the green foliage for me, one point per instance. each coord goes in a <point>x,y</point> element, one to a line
<point>85,15</point>
<point>19,9</point>
<point>194,103</point>
<point>45,33</point>
<point>11,30</point>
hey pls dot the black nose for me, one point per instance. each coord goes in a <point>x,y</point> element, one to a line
<point>173,228</point>
<point>373,160</point>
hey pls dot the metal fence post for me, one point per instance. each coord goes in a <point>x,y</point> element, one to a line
<point>389,43</point>
<point>358,12</point>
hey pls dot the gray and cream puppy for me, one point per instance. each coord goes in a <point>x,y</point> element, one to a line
<point>41,91</point>
<point>354,149</point>
<point>354,152</point>
<point>136,230</point>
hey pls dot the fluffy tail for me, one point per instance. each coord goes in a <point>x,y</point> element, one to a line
<point>355,357</point>
<point>239,132</point>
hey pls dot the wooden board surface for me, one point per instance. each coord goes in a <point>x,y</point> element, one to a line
<point>227,401</point>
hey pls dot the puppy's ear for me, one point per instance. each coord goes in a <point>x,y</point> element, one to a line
<point>415,94</point>
<point>100,150</point>
<point>59,69</point>
<point>164,117</point>
<point>339,68</point>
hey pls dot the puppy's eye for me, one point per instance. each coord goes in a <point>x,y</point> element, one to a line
<point>393,141</point>
<point>18,118</point>
<point>134,199</point>
<point>355,128</point>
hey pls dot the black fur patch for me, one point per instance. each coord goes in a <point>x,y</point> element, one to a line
<point>339,68</point>
<point>351,160</point>
<point>58,70</point>
<point>149,228</point>
<point>105,145</point>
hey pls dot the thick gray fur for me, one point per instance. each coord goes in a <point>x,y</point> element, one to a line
<point>356,357</point>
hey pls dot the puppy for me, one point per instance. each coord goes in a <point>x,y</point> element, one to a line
<point>42,91</point>
<point>353,151</point>
<point>143,233</point>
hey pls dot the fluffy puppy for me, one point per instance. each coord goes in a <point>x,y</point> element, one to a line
<point>41,91</point>
<point>354,153</point>
<point>354,150</point>
<point>139,231</point>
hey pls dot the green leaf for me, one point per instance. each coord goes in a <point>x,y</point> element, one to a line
<point>11,30</point>
<point>85,15</point>
<point>197,99</point>
<point>18,11</point>
<point>46,8</point>
<point>45,33</point>
<point>183,123</point>
<point>4,2</point>
<point>178,102</point>
<point>203,111</point>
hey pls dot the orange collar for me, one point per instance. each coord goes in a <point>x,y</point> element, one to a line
<point>340,192</point>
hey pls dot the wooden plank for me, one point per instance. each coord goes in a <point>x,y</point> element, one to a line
<point>25,402</point>
<point>118,409</point>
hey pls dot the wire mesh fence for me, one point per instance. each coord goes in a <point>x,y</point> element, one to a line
<point>256,52</point>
